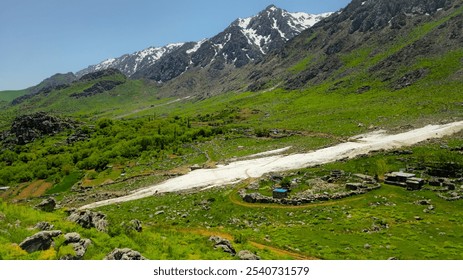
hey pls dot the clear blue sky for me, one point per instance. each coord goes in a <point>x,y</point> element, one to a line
<point>39,38</point>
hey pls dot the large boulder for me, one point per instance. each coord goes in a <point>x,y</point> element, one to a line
<point>89,219</point>
<point>39,241</point>
<point>71,237</point>
<point>47,205</point>
<point>124,254</point>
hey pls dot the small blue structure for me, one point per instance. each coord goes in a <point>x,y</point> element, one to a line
<point>280,193</point>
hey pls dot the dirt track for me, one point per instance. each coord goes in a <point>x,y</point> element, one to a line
<point>241,170</point>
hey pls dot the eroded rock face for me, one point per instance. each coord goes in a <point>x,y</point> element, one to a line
<point>97,88</point>
<point>89,219</point>
<point>124,254</point>
<point>39,241</point>
<point>374,15</point>
<point>99,74</point>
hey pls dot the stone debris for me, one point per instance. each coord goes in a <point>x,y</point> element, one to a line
<point>89,219</point>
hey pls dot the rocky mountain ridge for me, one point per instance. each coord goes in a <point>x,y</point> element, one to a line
<point>381,35</point>
<point>244,41</point>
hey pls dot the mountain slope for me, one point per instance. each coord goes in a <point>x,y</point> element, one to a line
<point>378,39</point>
<point>244,41</point>
<point>55,82</point>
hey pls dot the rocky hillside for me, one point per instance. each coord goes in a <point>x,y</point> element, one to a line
<point>55,82</point>
<point>379,38</point>
<point>27,128</point>
<point>244,41</point>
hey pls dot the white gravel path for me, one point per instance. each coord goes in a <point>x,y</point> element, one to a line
<point>254,168</point>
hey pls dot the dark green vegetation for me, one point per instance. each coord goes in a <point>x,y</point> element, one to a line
<point>328,84</point>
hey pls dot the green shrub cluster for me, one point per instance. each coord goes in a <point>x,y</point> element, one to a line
<point>109,142</point>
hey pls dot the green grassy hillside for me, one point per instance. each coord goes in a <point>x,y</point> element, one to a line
<point>9,95</point>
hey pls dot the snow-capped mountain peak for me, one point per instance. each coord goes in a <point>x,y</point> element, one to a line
<point>131,63</point>
<point>244,41</point>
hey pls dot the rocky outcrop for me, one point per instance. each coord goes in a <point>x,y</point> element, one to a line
<point>27,128</point>
<point>47,205</point>
<point>224,244</point>
<point>39,241</point>
<point>375,15</point>
<point>100,74</point>
<point>79,245</point>
<point>99,87</point>
<point>89,219</point>
<point>124,254</point>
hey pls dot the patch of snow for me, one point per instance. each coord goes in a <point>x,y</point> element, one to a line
<point>256,39</point>
<point>196,47</point>
<point>300,21</point>
<point>105,64</point>
<point>275,26</point>
<point>244,22</point>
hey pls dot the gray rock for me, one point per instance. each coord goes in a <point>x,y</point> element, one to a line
<point>39,241</point>
<point>423,202</point>
<point>44,226</point>
<point>99,87</point>
<point>71,237</point>
<point>80,248</point>
<point>47,205</point>
<point>136,225</point>
<point>247,255</point>
<point>159,212</point>
<point>124,254</point>
<point>223,244</point>
<point>89,219</point>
